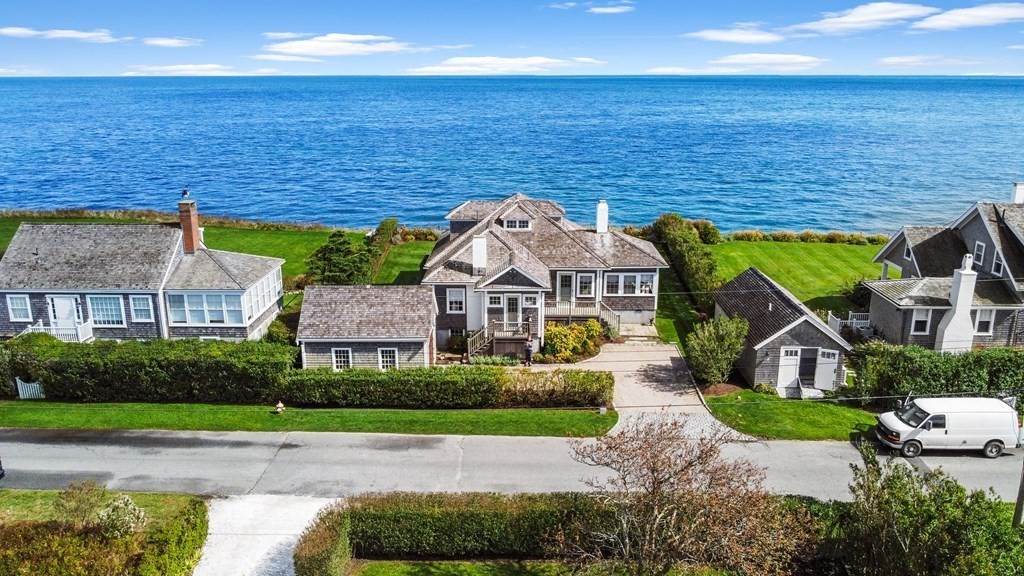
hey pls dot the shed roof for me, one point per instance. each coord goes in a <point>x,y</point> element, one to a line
<point>367,312</point>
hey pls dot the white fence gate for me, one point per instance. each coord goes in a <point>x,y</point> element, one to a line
<point>29,390</point>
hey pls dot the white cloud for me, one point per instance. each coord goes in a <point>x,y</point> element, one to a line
<point>866,17</point>
<point>175,42</point>
<point>351,45</point>
<point>1016,47</point>
<point>984,15</point>
<point>284,58</point>
<point>286,35</point>
<point>98,36</point>
<point>195,70</point>
<point>563,5</point>
<point>769,62</point>
<point>489,65</point>
<point>740,33</point>
<point>620,9</point>
<point>922,61</point>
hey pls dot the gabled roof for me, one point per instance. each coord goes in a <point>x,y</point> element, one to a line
<point>934,292</point>
<point>481,209</point>
<point>367,312</point>
<point>89,256</point>
<point>937,250</point>
<point>768,307</point>
<point>1005,222</point>
<point>218,270</point>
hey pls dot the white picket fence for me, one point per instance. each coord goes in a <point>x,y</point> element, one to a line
<point>29,390</point>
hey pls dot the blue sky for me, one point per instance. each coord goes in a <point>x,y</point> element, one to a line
<point>443,37</point>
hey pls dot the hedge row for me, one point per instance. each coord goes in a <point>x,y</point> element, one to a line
<point>174,548</point>
<point>690,258</point>
<point>323,548</point>
<point>381,239</point>
<point>889,370</point>
<point>809,236</point>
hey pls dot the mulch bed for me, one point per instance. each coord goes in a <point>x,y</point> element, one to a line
<point>721,389</point>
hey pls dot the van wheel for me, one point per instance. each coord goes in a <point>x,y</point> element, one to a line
<point>911,449</point>
<point>993,449</point>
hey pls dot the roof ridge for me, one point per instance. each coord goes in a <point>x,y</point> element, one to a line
<point>459,240</point>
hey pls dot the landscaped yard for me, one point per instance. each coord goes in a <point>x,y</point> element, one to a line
<point>138,416</point>
<point>676,315</point>
<point>814,272</point>
<point>292,245</point>
<point>402,263</point>
<point>37,505</point>
<point>775,418</point>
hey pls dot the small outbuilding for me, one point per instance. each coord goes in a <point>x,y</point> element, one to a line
<point>787,346</point>
<point>383,327</point>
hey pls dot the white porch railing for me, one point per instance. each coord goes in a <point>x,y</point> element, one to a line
<point>610,317</point>
<point>854,320</point>
<point>78,333</point>
<point>571,309</point>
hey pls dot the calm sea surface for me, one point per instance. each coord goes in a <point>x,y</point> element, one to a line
<point>781,153</point>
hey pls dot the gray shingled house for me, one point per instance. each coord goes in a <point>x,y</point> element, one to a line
<point>961,285</point>
<point>506,267</point>
<point>80,282</point>
<point>367,327</point>
<point>787,346</point>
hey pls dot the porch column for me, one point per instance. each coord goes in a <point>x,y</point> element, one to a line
<point>885,270</point>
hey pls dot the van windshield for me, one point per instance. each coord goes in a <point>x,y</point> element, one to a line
<point>911,415</point>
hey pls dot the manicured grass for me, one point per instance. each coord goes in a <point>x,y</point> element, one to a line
<point>676,315</point>
<point>814,272</point>
<point>775,418</point>
<point>494,568</point>
<point>294,246</point>
<point>402,263</point>
<point>37,505</point>
<point>136,416</point>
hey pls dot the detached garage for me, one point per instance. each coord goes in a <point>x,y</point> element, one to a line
<point>384,327</point>
<point>788,347</point>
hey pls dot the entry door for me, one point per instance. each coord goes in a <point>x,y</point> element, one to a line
<point>808,366</point>
<point>565,281</point>
<point>789,365</point>
<point>64,311</point>
<point>513,311</point>
<point>828,365</point>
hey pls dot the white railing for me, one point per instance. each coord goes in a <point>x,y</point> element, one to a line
<point>501,329</point>
<point>581,309</point>
<point>78,333</point>
<point>854,320</point>
<point>610,317</point>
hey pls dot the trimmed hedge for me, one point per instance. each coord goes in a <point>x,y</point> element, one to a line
<point>152,371</point>
<point>323,548</point>
<point>452,526</point>
<point>174,548</point>
<point>690,258</point>
<point>810,236</point>
<point>557,389</point>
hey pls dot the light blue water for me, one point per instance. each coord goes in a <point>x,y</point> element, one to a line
<point>827,153</point>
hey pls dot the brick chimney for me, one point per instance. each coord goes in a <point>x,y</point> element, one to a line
<point>189,218</point>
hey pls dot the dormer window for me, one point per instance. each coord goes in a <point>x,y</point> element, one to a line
<point>979,253</point>
<point>997,264</point>
<point>907,255</point>
<point>517,224</point>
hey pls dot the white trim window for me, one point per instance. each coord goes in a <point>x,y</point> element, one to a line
<point>142,308</point>
<point>921,322</point>
<point>387,358</point>
<point>516,224</point>
<point>646,284</point>
<point>106,310</point>
<point>495,301</point>
<point>629,284</point>
<point>530,301</point>
<point>19,308</point>
<point>997,264</point>
<point>456,300</point>
<point>264,294</point>
<point>459,332</point>
<point>979,253</point>
<point>584,284</point>
<point>984,319</point>
<point>341,358</point>
<point>205,309</point>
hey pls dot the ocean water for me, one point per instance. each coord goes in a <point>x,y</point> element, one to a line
<point>850,153</point>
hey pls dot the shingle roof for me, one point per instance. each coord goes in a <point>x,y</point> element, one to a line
<point>934,292</point>
<point>366,312</point>
<point>218,270</point>
<point>767,306</point>
<point>1000,218</point>
<point>937,250</point>
<point>89,256</point>
<point>481,209</point>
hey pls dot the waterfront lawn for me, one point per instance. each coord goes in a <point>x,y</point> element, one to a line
<point>676,315</point>
<point>816,273</point>
<point>402,263</point>
<point>775,418</point>
<point>294,246</point>
<point>139,416</point>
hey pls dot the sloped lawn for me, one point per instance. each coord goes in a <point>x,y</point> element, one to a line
<point>402,263</point>
<point>775,418</point>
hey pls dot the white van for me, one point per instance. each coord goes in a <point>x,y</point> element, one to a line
<point>986,424</point>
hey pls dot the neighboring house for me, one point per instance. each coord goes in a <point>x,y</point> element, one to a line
<point>381,327</point>
<point>506,267</point>
<point>81,282</point>
<point>787,346</point>
<point>962,285</point>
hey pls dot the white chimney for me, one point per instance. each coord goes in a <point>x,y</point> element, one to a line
<point>956,330</point>
<point>602,217</point>
<point>479,254</point>
<point>1018,192</point>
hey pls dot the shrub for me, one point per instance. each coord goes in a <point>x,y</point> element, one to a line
<point>44,548</point>
<point>341,261</point>
<point>690,258</point>
<point>323,548</point>
<point>557,389</point>
<point>422,234</point>
<point>572,342</point>
<point>750,236</point>
<point>507,360</point>
<point>436,387</point>
<point>121,518</point>
<point>279,333</point>
<point>784,236</point>
<point>878,239</point>
<point>834,237</point>
<point>713,346</point>
<point>707,232</point>
<point>811,236</point>
<point>457,344</point>
<point>78,505</point>
<point>173,548</point>
<point>643,232</point>
<point>451,526</point>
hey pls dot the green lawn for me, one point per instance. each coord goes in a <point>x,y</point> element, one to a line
<point>292,245</point>
<point>775,418</point>
<point>402,263</point>
<point>814,272</point>
<point>42,414</point>
<point>38,505</point>
<point>676,315</point>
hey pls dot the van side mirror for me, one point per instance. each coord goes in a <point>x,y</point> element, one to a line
<point>899,404</point>
<point>928,425</point>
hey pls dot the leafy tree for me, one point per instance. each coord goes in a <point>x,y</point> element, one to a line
<point>713,347</point>
<point>672,501</point>
<point>78,505</point>
<point>340,262</point>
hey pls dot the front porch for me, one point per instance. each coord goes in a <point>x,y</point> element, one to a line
<point>500,338</point>
<point>567,311</point>
<point>77,333</point>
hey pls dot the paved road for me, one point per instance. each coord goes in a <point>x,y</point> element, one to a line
<point>335,465</point>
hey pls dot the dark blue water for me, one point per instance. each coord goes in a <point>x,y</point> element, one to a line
<point>827,153</point>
